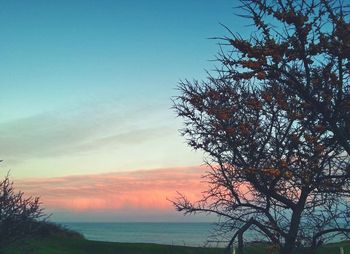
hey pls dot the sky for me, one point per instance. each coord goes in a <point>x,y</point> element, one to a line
<point>85,100</point>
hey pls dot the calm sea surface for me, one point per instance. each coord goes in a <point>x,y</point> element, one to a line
<point>188,234</point>
<point>184,234</point>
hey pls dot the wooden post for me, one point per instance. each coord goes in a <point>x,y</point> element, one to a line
<point>233,249</point>
<point>341,250</point>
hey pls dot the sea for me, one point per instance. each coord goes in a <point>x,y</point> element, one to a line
<point>183,234</point>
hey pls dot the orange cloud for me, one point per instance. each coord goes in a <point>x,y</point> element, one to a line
<point>135,190</point>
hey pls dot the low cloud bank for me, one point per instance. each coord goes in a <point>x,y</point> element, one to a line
<point>134,194</point>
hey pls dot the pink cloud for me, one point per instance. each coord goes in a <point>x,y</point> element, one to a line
<point>121,191</point>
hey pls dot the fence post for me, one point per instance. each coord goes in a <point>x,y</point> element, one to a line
<point>341,250</point>
<point>234,249</point>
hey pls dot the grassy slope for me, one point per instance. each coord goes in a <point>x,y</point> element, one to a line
<point>334,248</point>
<point>64,245</point>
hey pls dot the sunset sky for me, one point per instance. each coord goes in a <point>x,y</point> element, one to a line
<point>85,101</point>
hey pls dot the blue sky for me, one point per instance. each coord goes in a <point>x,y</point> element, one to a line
<point>86,86</point>
<point>59,53</point>
<point>85,90</point>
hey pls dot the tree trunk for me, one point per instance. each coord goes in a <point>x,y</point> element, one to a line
<point>290,240</point>
<point>240,243</point>
<point>288,247</point>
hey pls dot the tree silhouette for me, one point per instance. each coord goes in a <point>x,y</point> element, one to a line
<point>274,123</point>
<point>18,214</point>
<point>305,46</point>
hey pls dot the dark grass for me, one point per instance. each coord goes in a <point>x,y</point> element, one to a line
<point>54,239</point>
<point>77,245</point>
<point>64,245</point>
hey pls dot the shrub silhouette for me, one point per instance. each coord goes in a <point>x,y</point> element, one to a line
<point>19,215</point>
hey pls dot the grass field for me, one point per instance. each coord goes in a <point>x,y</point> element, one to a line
<point>64,245</point>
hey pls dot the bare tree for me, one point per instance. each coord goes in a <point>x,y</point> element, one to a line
<point>275,126</point>
<point>18,214</point>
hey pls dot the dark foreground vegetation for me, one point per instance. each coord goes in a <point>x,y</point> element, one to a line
<point>78,245</point>
<point>19,215</point>
<point>22,219</point>
<point>73,245</point>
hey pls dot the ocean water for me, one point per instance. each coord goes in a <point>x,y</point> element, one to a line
<point>185,234</point>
